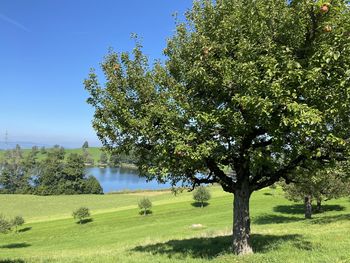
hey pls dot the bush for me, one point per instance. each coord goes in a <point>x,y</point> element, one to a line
<point>92,186</point>
<point>145,205</point>
<point>17,221</point>
<point>81,214</point>
<point>201,195</point>
<point>5,225</point>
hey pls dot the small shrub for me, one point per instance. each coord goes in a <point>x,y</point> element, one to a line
<point>145,205</point>
<point>17,221</point>
<point>81,214</point>
<point>201,195</point>
<point>5,225</point>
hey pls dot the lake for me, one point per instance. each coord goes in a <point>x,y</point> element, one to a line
<point>120,178</point>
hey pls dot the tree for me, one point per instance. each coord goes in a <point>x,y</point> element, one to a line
<point>201,195</point>
<point>88,159</point>
<point>85,145</point>
<point>114,160</point>
<point>145,205</point>
<point>103,159</point>
<point>5,225</point>
<point>257,86</point>
<point>17,221</point>
<point>317,185</point>
<point>81,214</point>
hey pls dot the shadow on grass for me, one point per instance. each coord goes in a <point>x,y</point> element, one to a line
<point>268,194</point>
<point>330,219</point>
<point>300,209</point>
<point>275,219</point>
<point>12,261</point>
<point>24,229</point>
<point>15,245</point>
<point>148,212</point>
<point>198,204</point>
<point>85,221</point>
<point>211,247</point>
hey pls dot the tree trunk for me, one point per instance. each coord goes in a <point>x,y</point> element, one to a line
<point>308,207</point>
<point>318,205</point>
<point>145,212</point>
<point>241,221</point>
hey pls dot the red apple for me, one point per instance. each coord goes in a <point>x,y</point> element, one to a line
<point>324,8</point>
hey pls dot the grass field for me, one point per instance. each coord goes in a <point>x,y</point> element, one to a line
<point>119,234</point>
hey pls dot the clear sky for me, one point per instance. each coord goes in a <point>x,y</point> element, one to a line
<point>47,49</point>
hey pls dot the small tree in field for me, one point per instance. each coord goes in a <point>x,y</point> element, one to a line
<point>201,195</point>
<point>259,86</point>
<point>17,221</point>
<point>145,205</point>
<point>81,214</point>
<point>317,186</point>
<point>5,225</point>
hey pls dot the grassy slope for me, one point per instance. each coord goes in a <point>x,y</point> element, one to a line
<point>121,235</point>
<point>94,151</point>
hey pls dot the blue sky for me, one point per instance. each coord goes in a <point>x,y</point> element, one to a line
<point>47,49</point>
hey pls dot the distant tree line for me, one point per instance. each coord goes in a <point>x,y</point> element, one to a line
<point>55,174</point>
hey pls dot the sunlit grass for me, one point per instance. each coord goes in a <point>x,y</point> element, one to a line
<point>119,234</point>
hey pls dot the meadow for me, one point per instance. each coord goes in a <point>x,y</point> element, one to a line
<point>118,233</point>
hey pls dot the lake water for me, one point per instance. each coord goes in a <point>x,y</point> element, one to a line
<point>117,179</point>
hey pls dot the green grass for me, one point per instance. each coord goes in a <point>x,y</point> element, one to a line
<point>119,234</point>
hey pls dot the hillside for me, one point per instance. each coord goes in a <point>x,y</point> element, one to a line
<point>119,234</point>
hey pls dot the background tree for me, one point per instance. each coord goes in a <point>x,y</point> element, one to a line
<point>85,145</point>
<point>5,225</point>
<point>88,159</point>
<point>145,205</point>
<point>114,160</point>
<point>17,221</point>
<point>258,86</point>
<point>201,195</point>
<point>318,185</point>
<point>81,214</point>
<point>103,159</point>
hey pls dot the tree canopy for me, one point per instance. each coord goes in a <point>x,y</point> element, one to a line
<point>261,87</point>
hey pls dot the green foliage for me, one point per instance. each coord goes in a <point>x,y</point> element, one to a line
<point>54,174</point>
<point>85,145</point>
<point>5,225</point>
<point>145,205</point>
<point>81,214</point>
<point>92,186</point>
<point>244,84</point>
<point>17,221</point>
<point>323,184</point>
<point>103,159</point>
<point>201,195</point>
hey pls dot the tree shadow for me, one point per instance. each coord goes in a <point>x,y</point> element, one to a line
<point>85,221</point>
<point>198,204</point>
<point>275,219</point>
<point>300,209</point>
<point>148,212</point>
<point>330,219</point>
<point>12,261</point>
<point>268,194</point>
<point>211,247</point>
<point>24,229</point>
<point>15,245</point>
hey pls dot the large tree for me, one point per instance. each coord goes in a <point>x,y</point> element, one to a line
<point>259,86</point>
